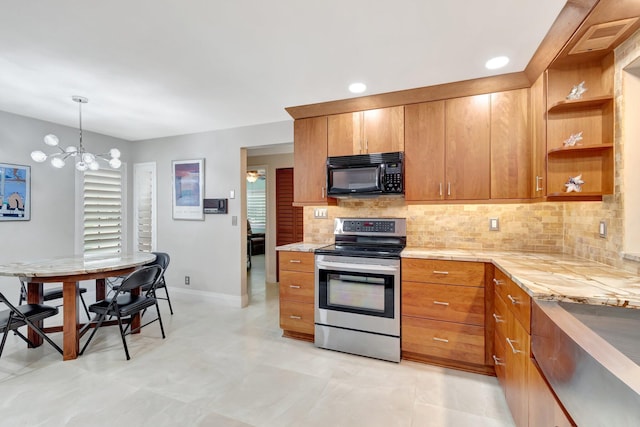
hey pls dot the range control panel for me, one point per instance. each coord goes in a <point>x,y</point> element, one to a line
<point>369,226</point>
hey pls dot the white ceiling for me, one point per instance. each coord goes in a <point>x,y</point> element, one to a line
<point>154,68</point>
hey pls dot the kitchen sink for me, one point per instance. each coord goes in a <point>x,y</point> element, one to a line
<point>590,355</point>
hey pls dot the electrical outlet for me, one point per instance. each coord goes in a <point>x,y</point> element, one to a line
<point>494,224</point>
<point>602,230</point>
<point>187,280</point>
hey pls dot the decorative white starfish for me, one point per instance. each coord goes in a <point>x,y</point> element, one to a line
<point>573,139</point>
<point>574,184</point>
<point>577,91</point>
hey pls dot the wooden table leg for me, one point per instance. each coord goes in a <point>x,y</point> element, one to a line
<point>34,296</point>
<point>71,321</point>
<point>135,319</point>
<point>101,289</point>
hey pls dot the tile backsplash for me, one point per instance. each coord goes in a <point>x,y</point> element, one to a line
<point>527,227</point>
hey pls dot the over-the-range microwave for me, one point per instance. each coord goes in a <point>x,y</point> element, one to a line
<point>365,175</point>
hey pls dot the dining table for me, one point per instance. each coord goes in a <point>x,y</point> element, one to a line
<point>70,270</point>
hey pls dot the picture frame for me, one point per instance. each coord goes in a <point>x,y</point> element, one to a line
<point>15,192</point>
<point>187,178</point>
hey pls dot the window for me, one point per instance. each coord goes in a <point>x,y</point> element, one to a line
<point>144,206</point>
<point>102,212</point>
<point>257,202</point>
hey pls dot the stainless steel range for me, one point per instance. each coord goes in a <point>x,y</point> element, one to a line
<point>357,288</point>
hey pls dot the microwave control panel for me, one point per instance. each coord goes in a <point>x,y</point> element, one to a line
<point>393,178</point>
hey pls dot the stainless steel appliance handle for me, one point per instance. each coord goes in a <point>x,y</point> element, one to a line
<point>363,267</point>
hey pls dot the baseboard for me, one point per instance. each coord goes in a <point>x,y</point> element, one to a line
<point>239,301</point>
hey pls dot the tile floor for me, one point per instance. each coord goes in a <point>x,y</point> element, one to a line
<point>222,366</point>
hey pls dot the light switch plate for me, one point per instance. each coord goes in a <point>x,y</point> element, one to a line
<point>603,229</point>
<point>494,224</point>
<point>232,194</point>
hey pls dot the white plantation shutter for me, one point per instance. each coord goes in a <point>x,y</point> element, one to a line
<point>144,196</point>
<point>102,208</point>
<point>257,206</point>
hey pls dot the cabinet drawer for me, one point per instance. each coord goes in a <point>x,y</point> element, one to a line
<point>499,357</point>
<point>500,315</point>
<point>297,286</point>
<point>297,261</point>
<point>444,272</point>
<point>446,340</point>
<point>461,304</point>
<point>518,301</point>
<point>297,317</point>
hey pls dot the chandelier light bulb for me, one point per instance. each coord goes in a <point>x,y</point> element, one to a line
<point>88,158</point>
<point>38,156</point>
<point>94,166</point>
<point>114,153</point>
<point>82,166</point>
<point>57,162</point>
<point>51,140</point>
<point>115,163</point>
<point>72,149</point>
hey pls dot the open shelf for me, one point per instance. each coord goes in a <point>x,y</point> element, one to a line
<point>575,197</point>
<point>580,149</point>
<point>574,104</point>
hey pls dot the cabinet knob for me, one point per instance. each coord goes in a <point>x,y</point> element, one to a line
<point>498,318</point>
<point>513,300</point>
<point>498,282</point>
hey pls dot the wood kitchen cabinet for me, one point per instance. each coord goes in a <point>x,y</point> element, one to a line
<point>309,157</point>
<point>512,344</point>
<point>366,132</point>
<point>297,294</point>
<point>592,114</point>
<point>447,149</point>
<point>443,312</point>
<point>510,145</point>
<point>539,137</point>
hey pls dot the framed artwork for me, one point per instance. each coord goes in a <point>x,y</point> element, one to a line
<point>188,189</point>
<point>15,192</point>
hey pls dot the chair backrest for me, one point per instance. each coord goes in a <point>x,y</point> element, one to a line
<point>162,259</point>
<point>145,276</point>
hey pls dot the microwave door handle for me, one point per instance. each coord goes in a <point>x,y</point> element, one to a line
<point>380,177</point>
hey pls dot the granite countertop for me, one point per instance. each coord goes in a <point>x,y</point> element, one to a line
<point>552,276</point>
<point>301,247</point>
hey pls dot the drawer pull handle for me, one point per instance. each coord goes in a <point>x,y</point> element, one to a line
<point>295,317</point>
<point>497,361</point>
<point>440,272</point>
<point>295,261</point>
<point>510,342</point>
<point>498,318</point>
<point>294,286</point>
<point>440,303</point>
<point>440,339</point>
<point>498,282</point>
<point>513,300</point>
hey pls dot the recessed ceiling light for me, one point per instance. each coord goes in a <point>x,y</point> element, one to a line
<point>497,62</point>
<point>357,87</point>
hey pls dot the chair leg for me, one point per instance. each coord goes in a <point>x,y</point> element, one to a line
<point>124,341</point>
<point>100,319</point>
<point>166,291</point>
<point>43,336</point>
<point>160,319</point>
<point>4,339</point>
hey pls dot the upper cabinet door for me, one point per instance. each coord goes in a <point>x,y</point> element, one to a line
<point>424,151</point>
<point>539,137</point>
<point>467,127</point>
<point>510,145</point>
<point>384,130</point>
<point>309,158</point>
<point>344,134</point>
<point>365,132</point>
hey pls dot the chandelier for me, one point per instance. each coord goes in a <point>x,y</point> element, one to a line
<point>84,159</point>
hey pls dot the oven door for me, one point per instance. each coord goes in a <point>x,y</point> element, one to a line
<point>358,293</point>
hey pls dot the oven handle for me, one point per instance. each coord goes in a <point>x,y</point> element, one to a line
<point>360,267</point>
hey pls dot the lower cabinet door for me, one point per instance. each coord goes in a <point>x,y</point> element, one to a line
<point>297,317</point>
<point>447,340</point>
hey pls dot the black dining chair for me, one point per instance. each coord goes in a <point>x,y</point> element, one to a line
<point>162,260</point>
<point>50,294</point>
<point>125,305</point>
<point>14,317</point>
